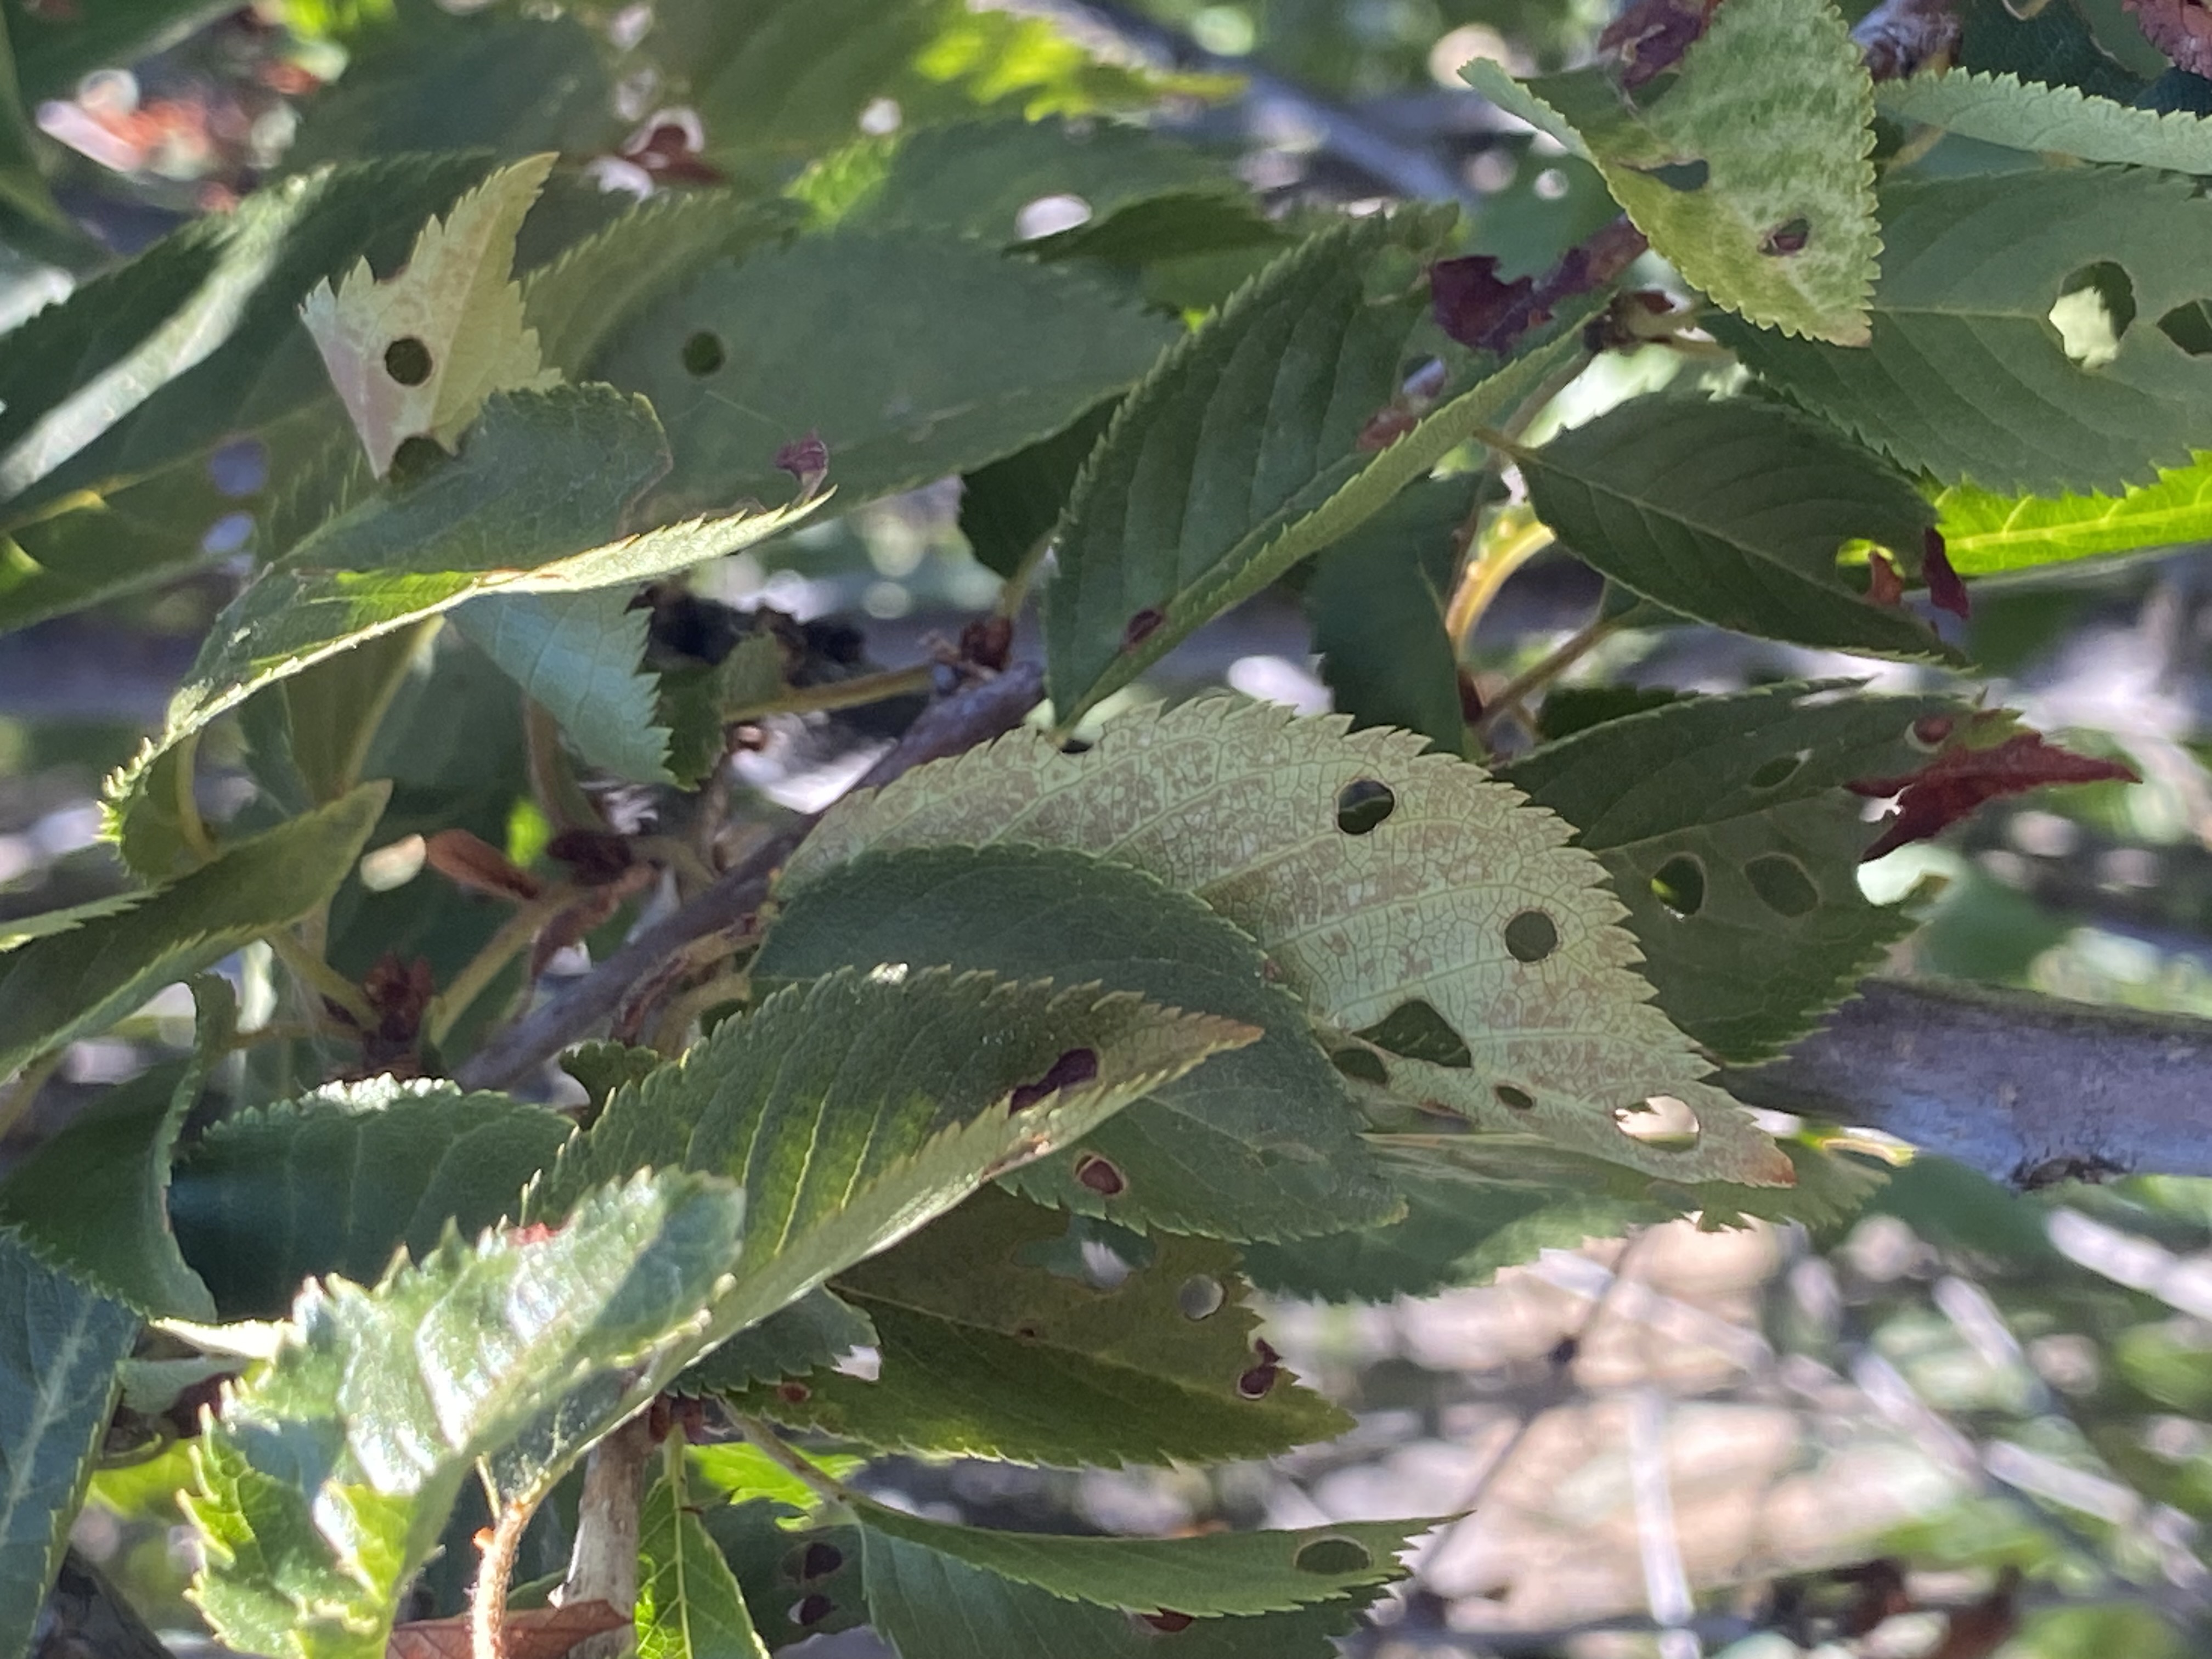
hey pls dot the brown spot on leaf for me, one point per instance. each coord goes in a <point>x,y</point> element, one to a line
<point>1142,626</point>
<point>1076,1067</point>
<point>1167,1621</point>
<point>1101,1176</point>
<point>812,1610</point>
<point>1932,730</point>
<point>1786,239</point>
<point>819,1560</point>
<point>1258,1379</point>
<point>794,1394</point>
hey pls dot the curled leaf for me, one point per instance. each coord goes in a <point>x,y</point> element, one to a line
<point>1961,778</point>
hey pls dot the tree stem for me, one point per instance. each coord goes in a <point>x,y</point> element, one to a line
<point>488,1600</point>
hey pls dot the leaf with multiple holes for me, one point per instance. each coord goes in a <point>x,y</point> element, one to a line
<point>1400,893</point>
<point>337,1181</point>
<point>1250,448</point>
<point>797,1581</point>
<point>60,1347</point>
<point>1749,172</point>
<point>94,1198</point>
<point>576,655</point>
<point>1969,376</point>
<point>1733,511</point>
<point>2003,109</point>
<point>71,984</point>
<point>977,1318</point>
<point>1725,826</point>
<point>1261,1143</point>
<point>689,1605</point>
<point>854,1108</point>
<point>416,355</point>
<point>533,505</point>
<point>911,355</point>
<point>325,1479</point>
<point>1984,532</point>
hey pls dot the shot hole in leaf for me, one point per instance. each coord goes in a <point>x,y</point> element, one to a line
<point>703,355</point>
<point>1782,884</point>
<point>1200,1297</point>
<point>1773,774</point>
<point>1141,627</point>
<point>407,361</point>
<point>240,467</point>
<point>1362,805</point>
<point>1786,239</point>
<point>1258,1379</point>
<point>1930,733</point>
<point>1683,176</point>
<point>817,1560</point>
<point>1165,1622</point>
<point>1362,1065</point>
<point>1519,1100</point>
<point>812,1610</point>
<point>1101,1176</point>
<point>1048,215</point>
<point>1531,935</point>
<point>1680,884</point>
<point>2093,312</point>
<point>1076,1066</point>
<point>2188,325</point>
<point>1333,1558</point>
<point>1415,1030</point>
<point>1661,1122</point>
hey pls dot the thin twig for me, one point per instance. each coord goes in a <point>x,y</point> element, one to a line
<point>488,1600</point>
<point>855,693</point>
<point>318,978</point>
<point>1556,663</point>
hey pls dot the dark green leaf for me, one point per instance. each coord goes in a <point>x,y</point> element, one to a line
<point>689,1605</point>
<point>55,48</point>
<point>576,655</point>
<point>817,1330</point>
<point>1009,507</point>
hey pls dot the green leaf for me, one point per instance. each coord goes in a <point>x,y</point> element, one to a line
<point>1376,603</point>
<point>1984,532</point>
<point>698,703</point>
<point>1211,1574</point>
<point>1244,451</point>
<point>1462,902</point>
<point>2052,44</point>
<point>911,355</point>
<point>1733,511</point>
<point>819,1329</point>
<point>24,195</point>
<point>854,1108</point>
<point>55,48</point>
<point>1773,104</point>
<point>933,1604</point>
<point>60,1346</point>
<point>977,1322</point>
<point>326,1479</point>
<point>337,1181</point>
<point>94,1198</point>
<point>797,1583</point>
<point>1261,1143</point>
<point>2002,109</point>
<point>1968,376</point>
<point>332,712</point>
<point>689,1605</point>
<point>577,656</point>
<point>1009,507</point>
<point>743,1472</point>
<point>68,985</point>
<point>1726,829</point>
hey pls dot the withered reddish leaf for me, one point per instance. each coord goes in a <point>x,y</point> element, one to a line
<point>2182,29</point>
<point>1945,589</point>
<point>807,459</point>
<point>472,862</point>
<point>1472,303</point>
<point>599,857</point>
<point>531,1632</point>
<point>1653,35</point>
<point>1960,778</point>
<point>1884,586</point>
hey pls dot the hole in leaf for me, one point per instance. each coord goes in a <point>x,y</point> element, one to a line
<point>1076,1066</point>
<point>240,467</point>
<point>1531,935</point>
<point>228,535</point>
<point>1362,1066</point>
<point>1683,176</point>
<point>1333,1558</point>
<point>1782,884</point>
<point>2190,327</point>
<point>1166,1621</point>
<point>1773,774</point>
<point>1786,239</point>
<point>1101,1176</point>
<point>1258,1379</point>
<point>812,1610</point>
<point>407,361</point>
<point>1363,804</point>
<point>1417,1032</point>
<point>1200,1297</point>
<point>1680,884</point>
<point>1661,1122</point>
<point>1141,627</point>
<point>703,355</point>
<point>1519,1099</point>
<point>1104,1267</point>
<point>1930,733</point>
<point>417,457</point>
<point>814,1560</point>
<point>2093,313</point>
<point>1048,216</point>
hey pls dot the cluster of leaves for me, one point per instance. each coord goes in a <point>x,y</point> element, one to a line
<point>1346,1007</point>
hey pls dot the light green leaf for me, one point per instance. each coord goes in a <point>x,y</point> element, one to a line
<point>338,1181</point>
<point>1774,106</point>
<point>819,1329</point>
<point>332,712</point>
<point>911,355</point>
<point>326,1479</point>
<point>1725,825</point>
<point>688,1606</point>
<point>2003,109</point>
<point>1211,1574</point>
<point>977,1320</point>
<point>697,704</point>
<point>94,1198</point>
<point>68,985</point>
<point>1461,899</point>
<point>1261,1143</point>
<point>60,1346</point>
<point>1968,376</point>
<point>416,355</point>
<point>853,1109</point>
<point>1733,511</point>
<point>1984,532</point>
<point>1244,451</point>
<point>577,656</point>
<point>930,1605</point>
<point>743,1472</point>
